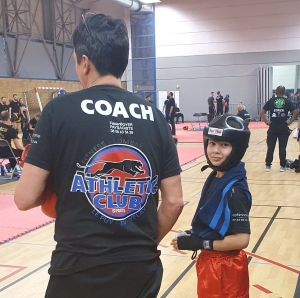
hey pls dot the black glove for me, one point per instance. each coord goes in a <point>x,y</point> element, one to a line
<point>193,243</point>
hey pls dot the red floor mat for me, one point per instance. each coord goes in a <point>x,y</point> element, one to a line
<point>196,136</point>
<point>187,155</point>
<point>14,223</point>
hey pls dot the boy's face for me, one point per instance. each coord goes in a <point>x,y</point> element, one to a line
<point>218,152</point>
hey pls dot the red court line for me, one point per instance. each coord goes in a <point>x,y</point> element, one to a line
<point>175,231</point>
<point>20,268</point>
<point>262,289</point>
<point>273,262</point>
<point>162,245</point>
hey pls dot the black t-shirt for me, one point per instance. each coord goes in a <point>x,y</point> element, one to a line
<point>243,114</point>
<point>210,101</point>
<point>3,107</point>
<point>239,206</point>
<point>170,103</point>
<point>15,107</point>
<point>279,108</point>
<point>7,132</point>
<point>219,100</point>
<point>33,122</point>
<point>107,168</point>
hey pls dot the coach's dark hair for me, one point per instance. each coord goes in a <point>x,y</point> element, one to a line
<point>104,40</point>
<point>4,116</point>
<point>171,93</point>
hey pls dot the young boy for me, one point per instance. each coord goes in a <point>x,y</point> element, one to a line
<point>220,227</point>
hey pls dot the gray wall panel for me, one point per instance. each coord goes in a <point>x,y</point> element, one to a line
<point>235,74</point>
<point>205,72</point>
<point>35,63</point>
<point>230,59</point>
<point>2,62</point>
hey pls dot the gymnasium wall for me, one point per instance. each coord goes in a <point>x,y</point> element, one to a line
<point>284,75</point>
<point>212,45</point>
<point>9,86</point>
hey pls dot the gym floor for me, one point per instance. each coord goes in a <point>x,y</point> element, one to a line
<point>274,249</point>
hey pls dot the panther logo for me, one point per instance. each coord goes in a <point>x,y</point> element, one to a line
<point>131,167</point>
<point>117,181</point>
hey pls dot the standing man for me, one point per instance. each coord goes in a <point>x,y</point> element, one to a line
<point>14,111</point>
<point>279,107</point>
<point>107,169</point>
<point>3,105</point>
<point>170,112</point>
<point>220,103</point>
<point>211,107</point>
<point>226,104</point>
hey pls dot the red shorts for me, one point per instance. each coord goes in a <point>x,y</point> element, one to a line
<point>222,274</point>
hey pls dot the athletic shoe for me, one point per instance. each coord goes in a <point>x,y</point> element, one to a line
<point>268,168</point>
<point>284,169</point>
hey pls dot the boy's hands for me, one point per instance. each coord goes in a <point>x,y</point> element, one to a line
<point>191,242</point>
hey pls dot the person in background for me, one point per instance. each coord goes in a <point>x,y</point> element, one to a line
<point>178,114</point>
<point>148,98</point>
<point>3,105</point>
<point>226,103</point>
<point>170,112</point>
<point>279,107</point>
<point>110,166</point>
<point>10,135</point>
<point>23,113</point>
<point>242,112</point>
<point>220,104</point>
<point>14,112</point>
<point>211,107</point>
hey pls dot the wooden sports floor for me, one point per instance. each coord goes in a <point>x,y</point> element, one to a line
<point>274,249</point>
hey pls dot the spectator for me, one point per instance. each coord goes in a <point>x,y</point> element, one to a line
<point>226,104</point>
<point>9,134</point>
<point>211,107</point>
<point>279,108</point>
<point>3,105</point>
<point>178,114</point>
<point>220,103</point>
<point>243,113</point>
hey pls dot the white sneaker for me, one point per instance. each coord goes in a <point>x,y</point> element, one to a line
<point>284,169</point>
<point>268,168</point>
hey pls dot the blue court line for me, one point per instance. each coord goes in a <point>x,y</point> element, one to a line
<point>178,256</point>
<point>23,277</point>
<point>197,193</point>
<point>266,263</point>
<point>23,243</point>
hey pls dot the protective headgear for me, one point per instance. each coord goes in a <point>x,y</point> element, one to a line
<point>61,92</point>
<point>231,129</point>
<point>227,96</point>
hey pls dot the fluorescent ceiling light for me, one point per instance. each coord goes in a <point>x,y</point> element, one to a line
<point>149,1</point>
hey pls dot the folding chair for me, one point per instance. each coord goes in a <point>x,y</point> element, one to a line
<point>198,117</point>
<point>5,144</point>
